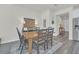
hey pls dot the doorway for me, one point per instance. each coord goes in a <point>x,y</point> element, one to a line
<point>63,20</point>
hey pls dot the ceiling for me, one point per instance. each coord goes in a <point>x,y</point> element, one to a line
<point>43,7</point>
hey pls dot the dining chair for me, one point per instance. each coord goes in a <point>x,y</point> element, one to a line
<point>40,39</point>
<point>50,36</point>
<point>22,41</point>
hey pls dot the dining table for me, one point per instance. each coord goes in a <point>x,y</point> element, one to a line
<point>29,35</point>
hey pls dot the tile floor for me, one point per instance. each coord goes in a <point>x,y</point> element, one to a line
<point>12,48</point>
<point>68,47</point>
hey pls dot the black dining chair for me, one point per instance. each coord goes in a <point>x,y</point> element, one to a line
<point>22,41</point>
<point>40,39</point>
<point>50,36</point>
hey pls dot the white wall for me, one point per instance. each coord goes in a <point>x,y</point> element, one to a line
<point>10,15</point>
<point>49,16</point>
<point>75,13</point>
<point>9,19</point>
<point>45,15</point>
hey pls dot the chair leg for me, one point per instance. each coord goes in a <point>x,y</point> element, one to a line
<point>47,44</point>
<point>24,46</point>
<point>19,46</point>
<point>44,46</point>
<point>51,42</point>
<point>37,49</point>
<point>21,50</point>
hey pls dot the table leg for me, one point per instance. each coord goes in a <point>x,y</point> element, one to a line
<point>30,46</point>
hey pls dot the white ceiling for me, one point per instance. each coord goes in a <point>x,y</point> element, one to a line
<point>43,7</point>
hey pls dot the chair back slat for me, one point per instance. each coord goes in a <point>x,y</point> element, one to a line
<point>42,34</point>
<point>50,32</point>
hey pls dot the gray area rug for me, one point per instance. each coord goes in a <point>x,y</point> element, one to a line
<point>11,48</point>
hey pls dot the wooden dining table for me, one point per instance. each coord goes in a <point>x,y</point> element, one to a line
<point>29,35</point>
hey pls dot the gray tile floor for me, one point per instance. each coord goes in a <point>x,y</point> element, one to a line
<point>67,47</point>
<point>12,48</point>
<point>6,48</point>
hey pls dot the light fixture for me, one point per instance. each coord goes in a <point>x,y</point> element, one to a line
<point>36,23</point>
